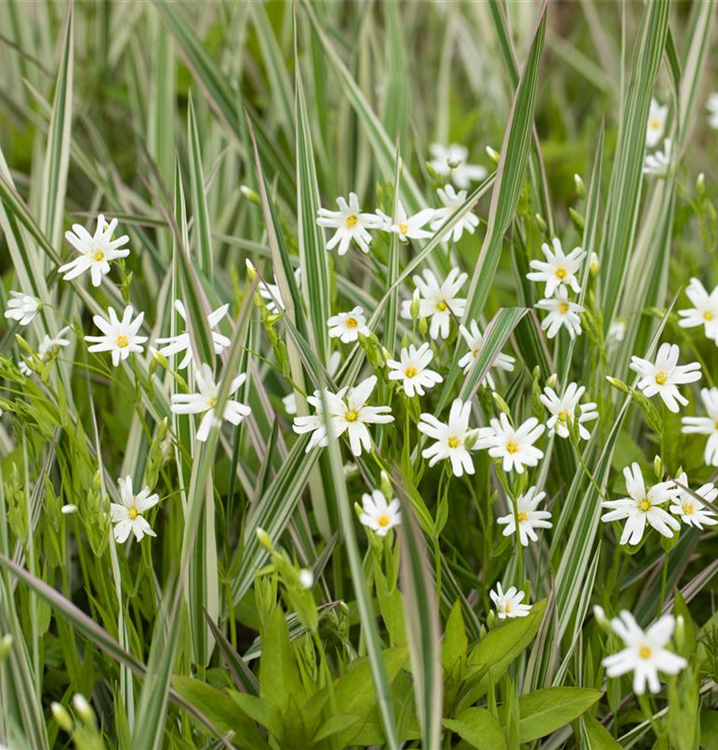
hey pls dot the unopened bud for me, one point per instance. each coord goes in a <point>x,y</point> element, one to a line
<point>680,632</point>
<point>658,467</point>
<point>493,154</point>
<point>580,187</point>
<point>250,194</point>
<point>264,540</point>
<point>251,270</point>
<point>306,578</point>
<point>69,509</point>
<point>83,708</point>
<point>701,185</point>
<point>423,326</point>
<point>415,305</point>
<point>386,487</point>
<point>5,645</point>
<point>618,384</point>
<point>600,617</point>
<point>552,381</point>
<point>577,219</point>
<point>501,405</point>
<point>540,223</point>
<point>594,265</point>
<point>160,358</point>
<point>62,717</point>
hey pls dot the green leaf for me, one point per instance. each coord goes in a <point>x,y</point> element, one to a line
<point>455,644</point>
<point>479,727</point>
<point>599,738</point>
<point>278,673</point>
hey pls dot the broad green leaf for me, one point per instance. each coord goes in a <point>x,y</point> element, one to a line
<point>599,738</point>
<point>455,644</point>
<point>479,727</point>
<point>278,674</point>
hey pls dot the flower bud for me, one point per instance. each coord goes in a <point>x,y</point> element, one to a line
<point>540,223</point>
<point>415,305</point>
<point>600,617</point>
<point>159,358</point>
<point>62,717</point>
<point>680,632</point>
<point>578,220</point>
<point>701,185</point>
<point>618,384</point>
<point>83,708</point>
<point>264,540</point>
<point>306,578</point>
<point>251,270</point>
<point>501,405</point>
<point>658,468</point>
<point>68,510</point>
<point>5,645</point>
<point>594,265</point>
<point>493,155</point>
<point>552,381</point>
<point>423,326</point>
<point>250,194</point>
<point>386,487</point>
<point>580,187</point>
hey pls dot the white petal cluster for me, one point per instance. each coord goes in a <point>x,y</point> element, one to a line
<point>663,376</point>
<point>438,301</point>
<point>96,251</point>
<point>379,515</point>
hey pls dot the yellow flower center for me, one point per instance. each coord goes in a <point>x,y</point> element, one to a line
<point>512,447</point>
<point>523,516</point>
<point>507,607</point>
<point>655,124</point>
<point>403,228</point>
<point>352,416</point>
<point>212,402</point>
<point>688,509</point>
<point>561,273</point>
<point>644,651</point>
<point>383,520</point>
<point>563,308</point>
<point>563,415</point>
<point>441,306</point>
<point>122,340</point>
<point>133,513</point>
<point>411,371</point>
<point>351,221</point>
<point>98,255</point>
<point>644,505</point>
<point>661,377</point>
<point>475,353</point>
<point>454,442</point>
<point>707,315</point>
<point>351,322</point>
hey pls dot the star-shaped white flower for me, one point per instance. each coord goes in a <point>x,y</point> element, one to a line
<point>641,507</point>
<point>119,336</point>
<point>508,603</point>
<point>562,313</point>
<point>350,224</point>
<point>645,653</point>
<point>314,423</point>
<point>474,340</point>
<point>378,515</point>
<point>689,508</point>
<point>712,107</point>
<point>514,445</point>
<point>438,301</point>
<point>451,162</point>
<point>563,410</point>
<point>665,375</point>
<point>453,438</point>
<point>347,326</point>
<point>412,370</point>
<point>706,425</point>
<point>22,307</point>
<point>350,414</point>
<point>704,311</point>
<point>204,401</point>
<point>558,269</point>
<point>529,517</point>
<point>657,116</point>
<point>96,251</point>
<point>127,515</point>
<point>407,227</point>
<point>182,343</point>
<point>659,162</point>
<point>451,202</point>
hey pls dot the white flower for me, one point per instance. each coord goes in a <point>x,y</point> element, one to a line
<point>452,202</point>
<point>438,301</point>
<point>45,348</point>
<point>645,654</point>
<point>558,269</point>
<point>348,325</point>
<point>508,604</point>
<point>657,116</point>
<point>514,445</point>
<point>561,313</point>
<point>474,339</point>
<point>182,342</point>
<point>664,377</point>
<point>706,425</point>
<point>659,162</point>
<point>204,402</point>
<point>712,107</point>
<point>22,307</point>
<point>270,292</point>
<point>306,578</point>
<point>119,336</point>
<point>529,517</point>
<point>351,415</point>
<point>96,251</point>
<point>563,410</point>
<point>451,162</point>
<point>350,223</point>
<point>689,508</point>
<point>642,506</point>
<point>704,311</point>
<point>290,401</point>
<point>451,438</point>
<point>314,423</point>
<point>127,514</point>
<point>412,370</point>
<point>617,330</point>
<point>378,515</point>
<point>407,227</point>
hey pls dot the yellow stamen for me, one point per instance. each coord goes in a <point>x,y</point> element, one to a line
<point>212,402</point>
<point>454,442</point>
<point>133,513</point>
<point>644,651</point>
<point>655,124</point>
<point>403,228</point>
<point>98,255</point>
<point>122,340</point>
<point>411,371</point>
<point>507,608</point>
<point>563,308</point>
<point>351,322</point>
<point>351,220</point>
<point>563,415</point>
<point>523,516</point>
<point>383,520</point>
<point>688,509</point>
<point>441,306</point>
<point>475,352</point>
<point>707,315</point>
<point>644,505</point>
<point>512,447</point>
<point>351,416</point>
<point>561,273</point>
<point>661,377</point>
